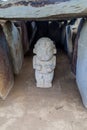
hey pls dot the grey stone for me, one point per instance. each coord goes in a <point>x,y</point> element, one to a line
<point>44,62</point>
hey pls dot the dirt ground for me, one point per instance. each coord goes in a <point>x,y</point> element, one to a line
<point>56,108</point>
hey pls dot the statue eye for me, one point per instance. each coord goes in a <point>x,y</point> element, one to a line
<point>51,49</point>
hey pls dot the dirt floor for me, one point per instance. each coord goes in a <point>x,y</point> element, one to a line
<point>31,108</point>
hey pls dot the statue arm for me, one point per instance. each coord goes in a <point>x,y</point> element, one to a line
<point>51,65</point>
<point>35,64</point>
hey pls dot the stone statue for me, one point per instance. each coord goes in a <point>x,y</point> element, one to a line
<point>44,62</point>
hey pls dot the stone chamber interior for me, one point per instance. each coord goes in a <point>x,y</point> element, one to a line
<point>30,108</point>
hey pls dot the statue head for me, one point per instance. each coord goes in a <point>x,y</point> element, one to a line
<point>44,48</point>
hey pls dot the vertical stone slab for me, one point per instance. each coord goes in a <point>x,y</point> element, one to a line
<point>6,74</point>
<point>13,37</point>
<point>81,67</point>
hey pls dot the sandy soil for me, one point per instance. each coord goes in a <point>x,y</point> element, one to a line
<point>31,108</point>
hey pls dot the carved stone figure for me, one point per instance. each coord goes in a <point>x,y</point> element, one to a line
<point>44,62</point>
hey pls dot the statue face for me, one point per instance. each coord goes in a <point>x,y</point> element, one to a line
<point>45,53</point>
<point>44,49</point>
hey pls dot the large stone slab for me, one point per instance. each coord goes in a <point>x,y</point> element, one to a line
<point>42,9</point>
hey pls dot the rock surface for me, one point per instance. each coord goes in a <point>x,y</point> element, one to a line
<point>43,9</point>
<point>13,37</point>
